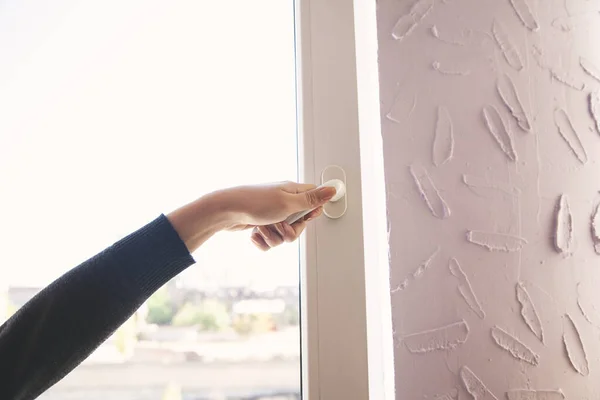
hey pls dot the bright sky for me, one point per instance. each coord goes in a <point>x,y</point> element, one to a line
<point>113,111</point>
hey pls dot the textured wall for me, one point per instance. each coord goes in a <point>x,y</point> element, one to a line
<point>492,171</point>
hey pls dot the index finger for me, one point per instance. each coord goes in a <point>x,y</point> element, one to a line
<point>293,187</point>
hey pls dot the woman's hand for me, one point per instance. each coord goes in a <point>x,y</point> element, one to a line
<point>266,237</point>
<point>262,208</point>
<point>266,207</point>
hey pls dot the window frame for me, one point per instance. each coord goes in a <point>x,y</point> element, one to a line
<point>345,332</point>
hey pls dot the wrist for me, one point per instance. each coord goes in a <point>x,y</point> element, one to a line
<point>196,222</point>
<point>224,206</point>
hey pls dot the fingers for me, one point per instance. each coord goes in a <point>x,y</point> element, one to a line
<point>293,187</point>
<point>258,240</point>
<point>293,231</point>
<point>306,196</point>
<point>267,237</point>
<point>271,236</point>
<point>313,214</point>
<point>318,197</point>
<point>313,198</point>
<point>296,229</point>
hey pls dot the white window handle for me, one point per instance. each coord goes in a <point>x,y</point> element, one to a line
<point>340,192</point>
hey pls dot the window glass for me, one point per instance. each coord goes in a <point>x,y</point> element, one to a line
<point>113,112</point>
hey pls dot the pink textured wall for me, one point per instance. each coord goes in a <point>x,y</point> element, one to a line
<point>492,171</point>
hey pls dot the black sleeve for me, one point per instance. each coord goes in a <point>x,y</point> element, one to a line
<point>64,323</point>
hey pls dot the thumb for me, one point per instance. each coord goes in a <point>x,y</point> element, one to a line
<point>315,198</point>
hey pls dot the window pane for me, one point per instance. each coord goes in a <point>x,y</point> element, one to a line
<point>116,111</point>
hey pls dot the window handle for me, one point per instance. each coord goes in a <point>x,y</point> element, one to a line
<point>340,193</point>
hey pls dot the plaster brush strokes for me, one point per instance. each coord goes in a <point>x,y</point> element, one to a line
<point>508,92</point>
<point>447,71</point>
<point>499,131</point>
<point>525,394</point>
<point>564,240</point>
<point>590,68</point>
<point>523,10</point>
<point>529,312</point>
<point>429,193</point>
<point>436,34</point>
<point>408,22</point>
<point>496,241</point>
<point>443,143</point>
<point>474,386</point>
<point>595,228</point>
<point>482,187</point>
<point>450,395</point>
<point>564,24</point>
<point>567,79</point>
<point>594,104</point>
<point>444,338</point>
<point>417,273</point>
<point>569,135</point>
<point>510,52</point>
<point>514,346</point>
<point>465,289</point>
<point>403,107</point>
<point>574,347</point>
<point>538,56</point>
<point>587,308</point>
<point>563,77</point>
<point>568,23</point>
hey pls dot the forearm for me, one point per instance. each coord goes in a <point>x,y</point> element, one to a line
<point>65,322</point>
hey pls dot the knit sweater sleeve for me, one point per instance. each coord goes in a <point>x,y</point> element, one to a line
<point>65,322</point>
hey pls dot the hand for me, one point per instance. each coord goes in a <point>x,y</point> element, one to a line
<point>267,206</point>
<point>262,208</point>
<point>266,237</point>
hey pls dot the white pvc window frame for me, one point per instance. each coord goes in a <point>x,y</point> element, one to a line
<point>347,344</point>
